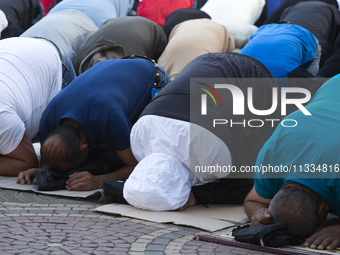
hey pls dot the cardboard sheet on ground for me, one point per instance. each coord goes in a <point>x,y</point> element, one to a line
<point>214,218</point>
<point>10,183</point>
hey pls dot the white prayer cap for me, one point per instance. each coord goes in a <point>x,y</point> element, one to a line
<point>159,182</point>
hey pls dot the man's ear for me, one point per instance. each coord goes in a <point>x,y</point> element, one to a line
<point>323,208</point>
<point>84,146</point>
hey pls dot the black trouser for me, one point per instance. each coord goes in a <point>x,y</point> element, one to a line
<point>223,191</point>
<point>331,67</point>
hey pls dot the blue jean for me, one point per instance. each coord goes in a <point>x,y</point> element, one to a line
<point>69,74</point>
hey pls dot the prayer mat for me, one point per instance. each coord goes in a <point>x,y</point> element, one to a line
<point>226,238</point>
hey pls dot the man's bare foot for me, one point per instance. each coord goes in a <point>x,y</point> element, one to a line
<point>191,202</point>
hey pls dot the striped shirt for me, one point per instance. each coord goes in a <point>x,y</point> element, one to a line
<point>68,29</point>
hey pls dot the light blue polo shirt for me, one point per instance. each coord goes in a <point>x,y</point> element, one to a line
<point>98,11</point>
<point>281,48</point>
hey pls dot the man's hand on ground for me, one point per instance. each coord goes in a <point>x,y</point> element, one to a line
<point>27,176</point>
<point>191,202</point>
<point>261,217</point>
<point>83,181</point>
<point>325,238</point>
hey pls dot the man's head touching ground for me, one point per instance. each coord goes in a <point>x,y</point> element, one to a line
<point>300,208</point>
<point>63,149</point>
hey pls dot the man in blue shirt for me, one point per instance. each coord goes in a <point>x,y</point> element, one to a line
<point>100,107</point>
<point>305,185</point>
<point>286,50</point>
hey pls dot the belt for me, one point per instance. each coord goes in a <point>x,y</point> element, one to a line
<point>157,72</point>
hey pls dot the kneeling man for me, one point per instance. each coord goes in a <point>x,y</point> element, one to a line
<point>307,188</point>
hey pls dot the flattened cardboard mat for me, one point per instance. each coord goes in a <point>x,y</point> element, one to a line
<point>214,218</point>
<point>10,183</point>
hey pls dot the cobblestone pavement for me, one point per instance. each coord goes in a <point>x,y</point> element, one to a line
<point>39,224</point>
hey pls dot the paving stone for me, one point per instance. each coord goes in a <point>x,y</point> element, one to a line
<point>171,252</point>
<point>45,214</point>
<point>9,203</point>
<point>188,252</point>
<point>58,253</point>
<point>19,243</point>
<point>142,245</point>
<point>206,249</point>
<point>171,236</point>
<point>119,250</point>
<point>185,232</point>
<point>160,225</point>
<point>62,208</point>
<point>12,252</point>
<point>107,249</point>
<point>161,240</point>
<point>122,245</point>
<point>153,253</point>
<point>99,253</point>
<point>85,211</point>
<point>38,205</point>
<point>147,238</point>
<point>24,204</point>
<point>129,239</point>
<point>191,247</point>
<point>139,249</point>
<point>90,215</point>
<point>12,214</point>
<point>14,211</point>
<point>79,229</point>
<point>155,247</point>
<point>65,211</point>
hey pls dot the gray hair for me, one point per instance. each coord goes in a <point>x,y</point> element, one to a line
<point>298,209</point>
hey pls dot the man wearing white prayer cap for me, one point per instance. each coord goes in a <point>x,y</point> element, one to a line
<point>171,142</point>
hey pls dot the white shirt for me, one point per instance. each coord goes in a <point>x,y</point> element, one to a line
<point>30,76</point>
<point>238,16</point>
<point>191,144</point>
<point>168,151</point>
